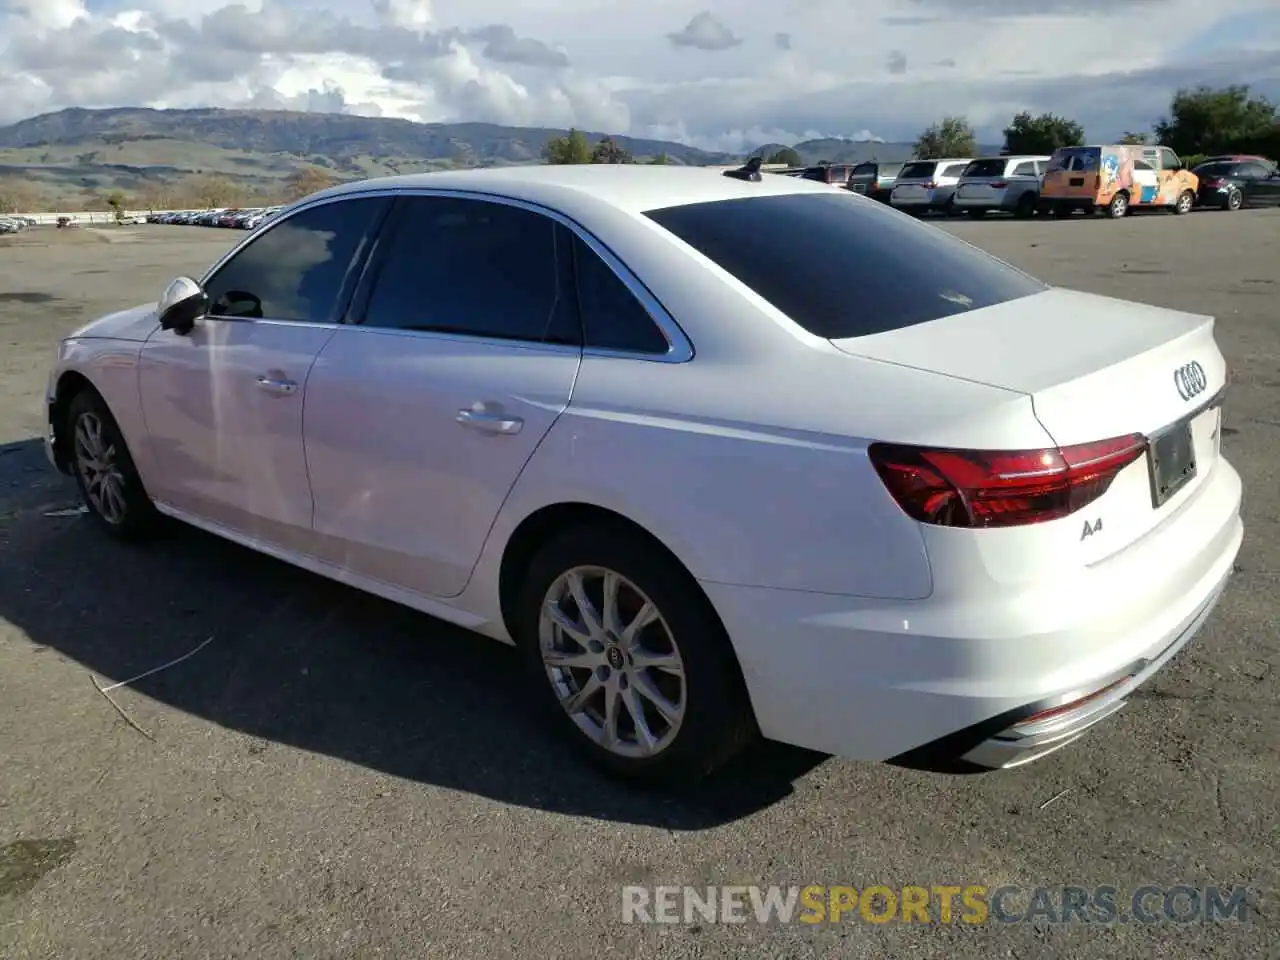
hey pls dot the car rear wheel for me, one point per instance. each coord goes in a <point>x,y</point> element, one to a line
<point>1118,206</point>
<point>1234,200</point>
<point>1186,200</point>
<point>629,659</point>
<point>104,470</point>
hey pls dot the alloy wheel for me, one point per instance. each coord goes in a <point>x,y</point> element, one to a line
<point>98,463</point>
<point>612,662</point>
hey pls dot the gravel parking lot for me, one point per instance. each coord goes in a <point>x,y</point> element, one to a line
<point>333,776</point>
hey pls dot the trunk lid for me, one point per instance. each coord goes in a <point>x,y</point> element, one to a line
<point>1094,368</point>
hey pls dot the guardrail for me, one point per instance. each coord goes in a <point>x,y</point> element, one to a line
<point>88,216</point>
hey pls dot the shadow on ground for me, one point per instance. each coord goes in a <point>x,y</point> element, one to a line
<point>302,661</point>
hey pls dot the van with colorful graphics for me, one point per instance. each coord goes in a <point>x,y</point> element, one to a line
<point>1113,179</point>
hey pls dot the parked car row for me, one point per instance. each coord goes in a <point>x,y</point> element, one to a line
<point>1109,179</point>
<point>232,218</point>
<point>11,223</point>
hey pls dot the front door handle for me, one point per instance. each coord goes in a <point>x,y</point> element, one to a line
<point>274,385</point>
<point>495,423</point>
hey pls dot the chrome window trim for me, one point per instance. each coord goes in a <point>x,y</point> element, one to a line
<point>679,347</point>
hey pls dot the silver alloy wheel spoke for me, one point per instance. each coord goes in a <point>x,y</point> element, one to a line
<point>612,661</point>
<point>96,461</point>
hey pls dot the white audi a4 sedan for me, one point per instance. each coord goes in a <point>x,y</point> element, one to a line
<point>723,458</point>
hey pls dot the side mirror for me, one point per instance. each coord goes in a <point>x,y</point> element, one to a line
<point>181,305</point>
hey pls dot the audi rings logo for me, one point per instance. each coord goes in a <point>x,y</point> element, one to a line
<point>1190,380</point>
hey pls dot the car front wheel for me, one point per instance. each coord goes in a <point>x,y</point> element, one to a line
<point>104,471</point>
<point>629,659</point>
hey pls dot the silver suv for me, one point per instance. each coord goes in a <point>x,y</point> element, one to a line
<point>1004,184</point>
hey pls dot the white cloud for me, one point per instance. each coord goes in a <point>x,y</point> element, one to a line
<point>723,75</point>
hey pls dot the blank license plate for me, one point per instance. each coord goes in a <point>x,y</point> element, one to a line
<point>859,188</point>
<point>1171,461</point>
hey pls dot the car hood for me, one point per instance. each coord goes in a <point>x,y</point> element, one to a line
<point>136,323</point>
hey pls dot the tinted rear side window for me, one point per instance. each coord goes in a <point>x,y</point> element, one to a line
<point>890,271</point>
<point>864,170</point>
<point>920,170</point>
<point>986,168</point>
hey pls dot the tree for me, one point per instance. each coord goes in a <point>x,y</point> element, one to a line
<point>1208,120</point>
<point>785,156</point>
<point>18,196</point>
<point>1136,139</point>
<point>115,200</point>
<point>607,151</point>
<point>1041,135</point>
<point>953,137</point>
<point>306,181</point>
<point>571,148</point>
<point>661,160</point>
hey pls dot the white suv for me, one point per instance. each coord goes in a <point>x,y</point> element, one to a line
<point>928,185</point>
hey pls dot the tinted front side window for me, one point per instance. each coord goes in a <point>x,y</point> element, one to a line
<point>296,270</point>
<point>469,266</point>
<point>890,271</point>
<point>612,318</point>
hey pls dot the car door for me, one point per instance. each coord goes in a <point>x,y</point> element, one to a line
<point>223,403</point>
<point>1263,185</point>
<point>462,351</point>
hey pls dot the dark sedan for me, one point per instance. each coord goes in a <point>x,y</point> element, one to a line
<point>1232,185</point>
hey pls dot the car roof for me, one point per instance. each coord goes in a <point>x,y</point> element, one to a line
<point>633,188</point>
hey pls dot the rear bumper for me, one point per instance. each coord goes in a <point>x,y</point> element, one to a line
<point>960,684</point>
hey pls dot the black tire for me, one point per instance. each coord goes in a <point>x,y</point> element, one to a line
<point>1234,200</point>
<point>1119,205</point>
<point>717,723</point>
<point>137,517</point>
<point>1184,204</point>
<point>1062,211</point>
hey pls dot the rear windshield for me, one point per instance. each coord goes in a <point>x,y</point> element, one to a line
<point>1061,160</point>
<point>1218,169</point>
<point>865,170</point>
<point>889,271</point>
<point>986,168</point>
<point>921,169</point>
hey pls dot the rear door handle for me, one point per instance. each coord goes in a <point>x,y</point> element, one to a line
<point>494,423</point>
<point>273,385</point>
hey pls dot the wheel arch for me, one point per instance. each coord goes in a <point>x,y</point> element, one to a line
<point>70,384</point>
<point>540,526</point>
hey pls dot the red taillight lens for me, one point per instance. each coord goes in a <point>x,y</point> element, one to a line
<point>1001,488</point>
<point>1212,183</point>
<point>931,185</point>
<point>999,184</point>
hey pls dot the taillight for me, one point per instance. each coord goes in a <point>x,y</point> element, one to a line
<point>1212,183</point>
<point>931,185</point>
<point>1001,488</point>
<point>999,184</point>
